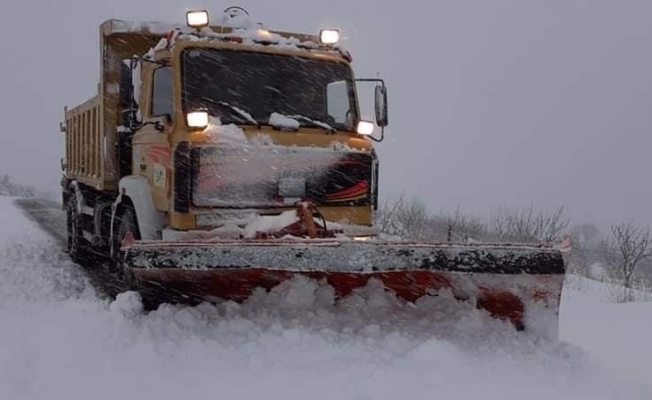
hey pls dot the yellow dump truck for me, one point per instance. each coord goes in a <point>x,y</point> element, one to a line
<point>218,158</point>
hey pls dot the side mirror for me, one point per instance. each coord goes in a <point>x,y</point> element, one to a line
<point>380,102</point>
<point>381,106</point>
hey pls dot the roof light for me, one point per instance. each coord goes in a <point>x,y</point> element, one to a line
<point>365,128</point>
<point>197,119</point>
<point>329,36</point>
<point>197,19</point>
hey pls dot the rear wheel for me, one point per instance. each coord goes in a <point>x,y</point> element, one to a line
<point>77,245</point>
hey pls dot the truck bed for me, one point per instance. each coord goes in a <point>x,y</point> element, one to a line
<point>85,144</point>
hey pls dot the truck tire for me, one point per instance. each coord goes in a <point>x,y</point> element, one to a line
<point>125,222</point>
<point>77,245</point>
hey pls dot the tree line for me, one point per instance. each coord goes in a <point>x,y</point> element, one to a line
<point>623,254</point>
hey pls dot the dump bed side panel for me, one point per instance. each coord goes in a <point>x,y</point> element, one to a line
<point>92,127</point>
<point>84,144</point>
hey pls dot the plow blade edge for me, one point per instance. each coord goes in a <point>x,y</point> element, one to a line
<point>508,281</point>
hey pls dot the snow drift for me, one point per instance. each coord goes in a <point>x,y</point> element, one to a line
<point>59,340</point>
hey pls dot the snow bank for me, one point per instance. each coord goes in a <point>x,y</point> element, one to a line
<point>59,341</point>
<point>24,253</point>
<point>618,333</point>
<point>606,292</point>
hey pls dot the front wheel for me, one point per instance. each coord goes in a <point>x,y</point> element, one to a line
<point>125,224</point>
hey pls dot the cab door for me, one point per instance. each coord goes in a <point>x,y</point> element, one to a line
<point>151,144</point>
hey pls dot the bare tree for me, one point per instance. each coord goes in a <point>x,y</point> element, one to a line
<point>528,225</point>
<point>627,248</point>
<point>387,214</point>
<point>587,234</point>
<point>410,219</point>
<point>407,219</point>
<point>463,227</point>
<point>586,239</point>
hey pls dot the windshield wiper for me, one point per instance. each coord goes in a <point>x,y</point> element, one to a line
<point>312,122</point>
<point>240,112</point>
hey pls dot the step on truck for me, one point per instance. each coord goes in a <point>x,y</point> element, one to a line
<point>217,158</point>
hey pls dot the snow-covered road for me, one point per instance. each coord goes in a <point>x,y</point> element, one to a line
<point>60,340</point>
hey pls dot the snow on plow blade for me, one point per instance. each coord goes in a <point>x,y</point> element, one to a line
<point>508,281</point>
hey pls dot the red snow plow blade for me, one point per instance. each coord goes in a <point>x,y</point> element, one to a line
<point>508,281</point>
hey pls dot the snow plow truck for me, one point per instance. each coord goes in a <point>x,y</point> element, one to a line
<point>217,158</point>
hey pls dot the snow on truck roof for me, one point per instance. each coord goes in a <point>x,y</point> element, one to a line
<point>169,33</point>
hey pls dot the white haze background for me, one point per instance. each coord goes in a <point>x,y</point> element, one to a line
<point>491,103</point>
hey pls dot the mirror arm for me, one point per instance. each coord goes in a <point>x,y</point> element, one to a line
<point>158,125</point>
<point>162,63</point>
<point>381,138</point>
<point>378,80</point>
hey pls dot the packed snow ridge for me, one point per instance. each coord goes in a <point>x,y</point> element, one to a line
<point>61,341</point>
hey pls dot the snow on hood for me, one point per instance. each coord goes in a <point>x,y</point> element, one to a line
<point>281,121</point>
<point>231,134</point>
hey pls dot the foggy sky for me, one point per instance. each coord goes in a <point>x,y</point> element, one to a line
<point>492,103</point>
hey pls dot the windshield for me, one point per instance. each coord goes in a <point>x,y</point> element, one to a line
<point>267,85</point>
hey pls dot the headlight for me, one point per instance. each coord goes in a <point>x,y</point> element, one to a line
<point>365,128</point>
<point>329,36</point>
<point>197,119</point>
<point>197,19</point>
